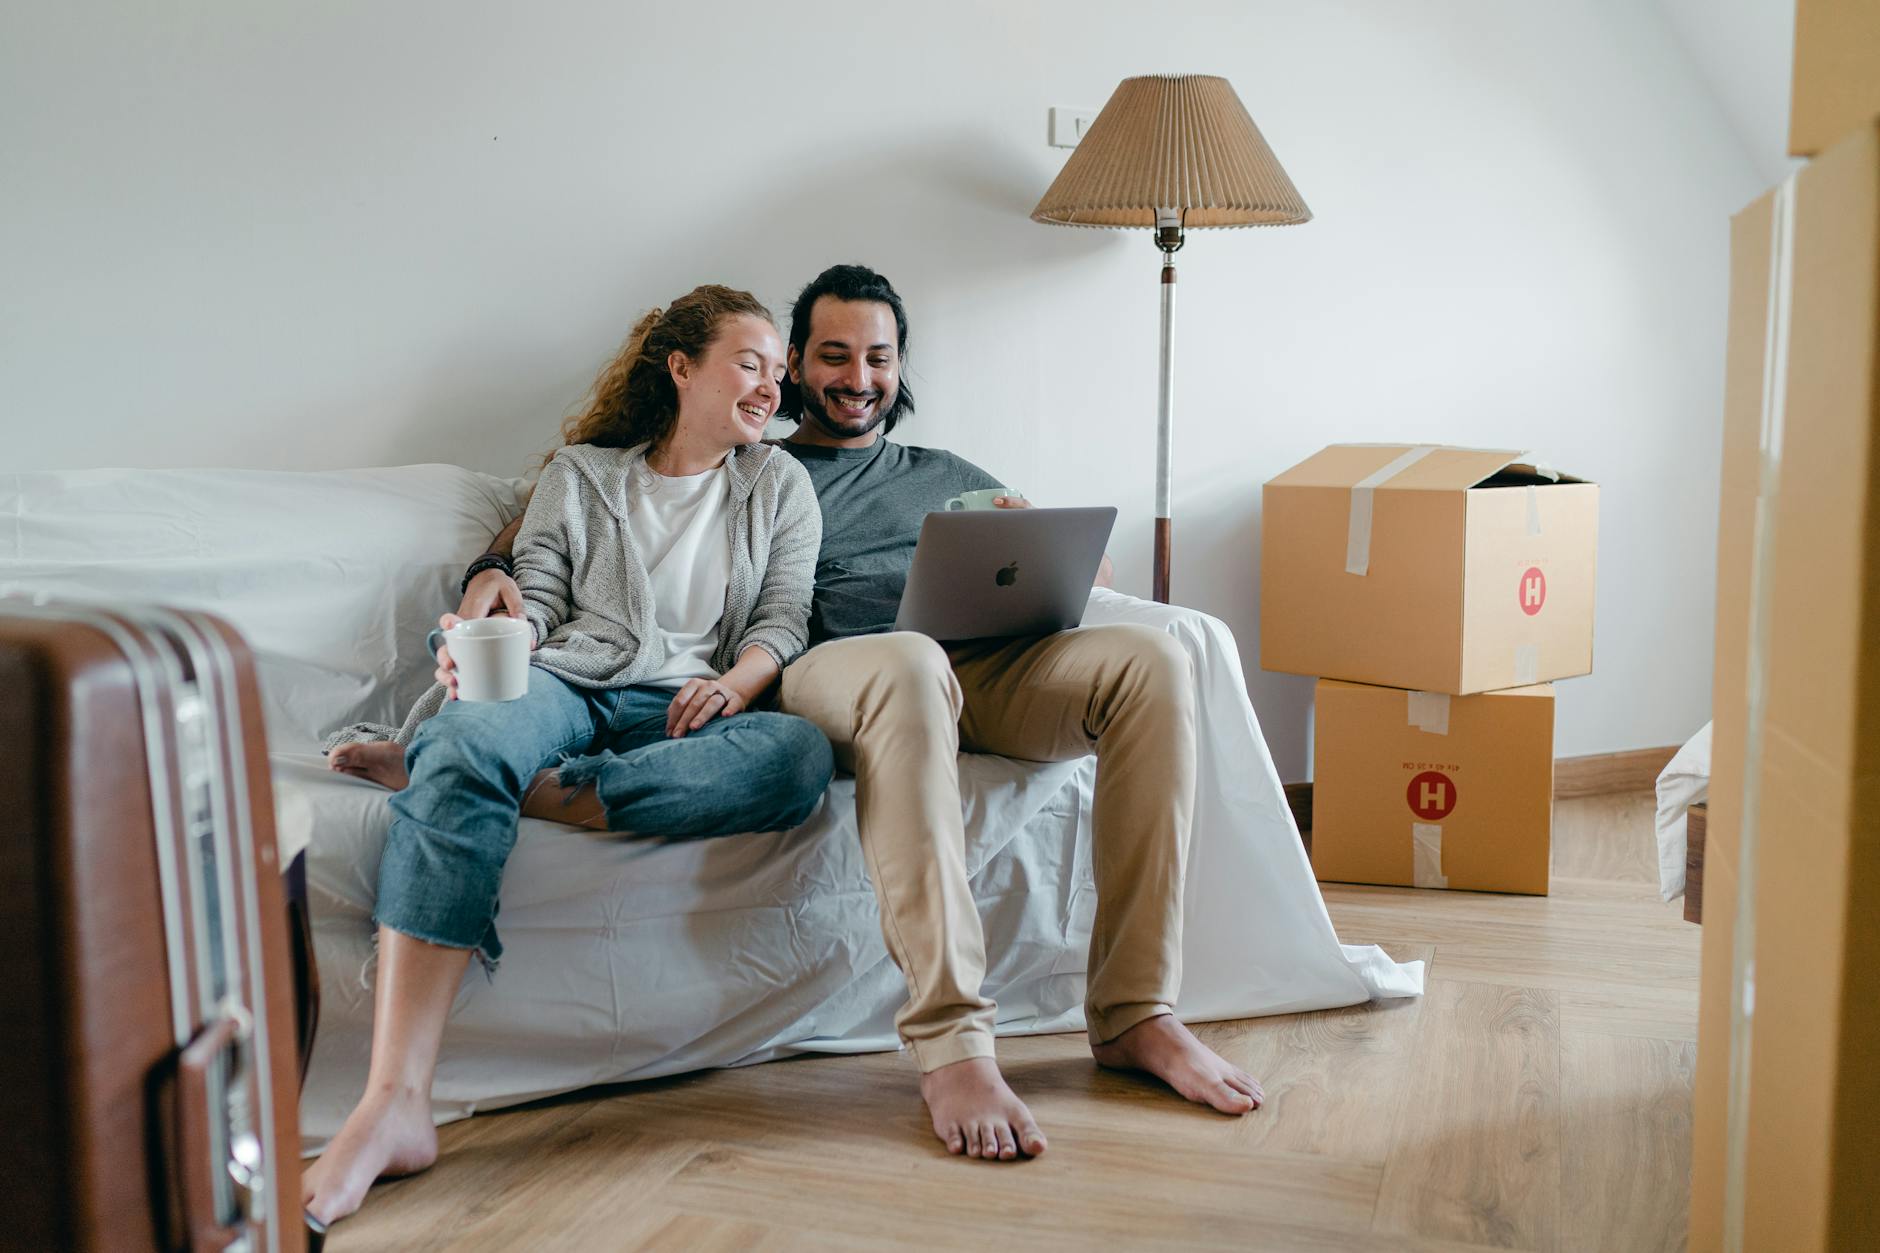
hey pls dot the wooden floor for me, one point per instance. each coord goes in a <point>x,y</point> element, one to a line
<point>1538,1097</point>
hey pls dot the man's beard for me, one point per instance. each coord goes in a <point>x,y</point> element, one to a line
<point>835,428</point>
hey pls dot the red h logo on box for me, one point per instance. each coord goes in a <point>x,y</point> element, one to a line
<point>1533,591</point>
<point>1431,796</point>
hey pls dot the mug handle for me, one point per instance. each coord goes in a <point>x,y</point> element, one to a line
<point>954,505</point>
<point>434,641</point>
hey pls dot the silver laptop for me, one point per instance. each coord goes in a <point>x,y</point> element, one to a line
<point>994,572</point>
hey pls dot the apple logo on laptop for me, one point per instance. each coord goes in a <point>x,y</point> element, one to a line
<point>1007,575</point>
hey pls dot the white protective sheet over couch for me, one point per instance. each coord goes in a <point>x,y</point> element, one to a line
<point>627,960</point>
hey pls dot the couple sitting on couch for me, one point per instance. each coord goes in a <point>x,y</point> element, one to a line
<point>665,565</point>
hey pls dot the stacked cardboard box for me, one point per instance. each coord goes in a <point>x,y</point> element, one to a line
<point>1789,1011</point>
<point>1436,592</point>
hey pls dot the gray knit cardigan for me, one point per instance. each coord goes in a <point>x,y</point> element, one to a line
<point>585,590</point>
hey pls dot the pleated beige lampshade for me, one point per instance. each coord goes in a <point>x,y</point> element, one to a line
<point>1172,141</point>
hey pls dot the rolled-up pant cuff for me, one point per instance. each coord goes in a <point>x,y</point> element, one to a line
<point>1106,1025</point>
<point>488,950</point>
<point>931,1055</point>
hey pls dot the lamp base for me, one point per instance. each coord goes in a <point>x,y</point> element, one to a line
<point>1164,544</point>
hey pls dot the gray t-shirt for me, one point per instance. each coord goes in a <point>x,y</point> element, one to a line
<point>873,502</point>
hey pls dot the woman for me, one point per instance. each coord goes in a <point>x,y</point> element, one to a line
<point>665,562</point>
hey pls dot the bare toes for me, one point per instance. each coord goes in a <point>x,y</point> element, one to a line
<point>1230,1100</point>
<point>1031,1139</point>
<point>1008,1148</point>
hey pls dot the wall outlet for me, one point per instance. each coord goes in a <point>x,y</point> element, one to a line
<point>1068,126</point>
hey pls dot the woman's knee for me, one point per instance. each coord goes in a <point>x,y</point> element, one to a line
<point>469,745</point>
<point>800,766</point>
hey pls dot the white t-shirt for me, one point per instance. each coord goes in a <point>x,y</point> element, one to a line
<point>679,524</point>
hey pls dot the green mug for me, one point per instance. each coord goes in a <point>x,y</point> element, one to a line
<point>981,499</point>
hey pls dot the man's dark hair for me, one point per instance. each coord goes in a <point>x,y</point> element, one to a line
<point>847,282</point>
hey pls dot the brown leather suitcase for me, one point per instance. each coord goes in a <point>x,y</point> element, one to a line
<point>148,1028</point>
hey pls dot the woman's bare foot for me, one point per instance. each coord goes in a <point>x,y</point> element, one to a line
<point>1168,1050</point>
<point>976,1114</point>
<point>382,761</point>
<point>387,1134</point>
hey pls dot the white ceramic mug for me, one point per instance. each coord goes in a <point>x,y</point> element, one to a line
<point>981,499</point>
<point>491,655</point>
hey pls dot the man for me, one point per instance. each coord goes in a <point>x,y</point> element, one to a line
<point>899,707</point>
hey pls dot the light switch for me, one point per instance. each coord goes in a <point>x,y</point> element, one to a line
<point>1068,125</point>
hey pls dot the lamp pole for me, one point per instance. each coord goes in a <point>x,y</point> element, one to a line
<point>1168,237</point>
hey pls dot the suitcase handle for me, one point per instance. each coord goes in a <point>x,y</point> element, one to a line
<point>217,1169</point>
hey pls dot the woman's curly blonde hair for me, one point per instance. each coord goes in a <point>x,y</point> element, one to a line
<point>634,400</point>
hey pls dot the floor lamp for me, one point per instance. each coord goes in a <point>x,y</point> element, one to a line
<point>1170,152</point>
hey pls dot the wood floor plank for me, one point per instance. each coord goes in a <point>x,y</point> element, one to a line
<point>1625,1140</point>
<point>1668,1013</point>
<point>1333,1079</point>
<point>1610,838</point>
<point>1178,1198</point>
<point>583,1186</point>
<point>1476,1156</point>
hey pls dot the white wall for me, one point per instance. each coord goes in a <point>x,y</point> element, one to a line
<point>1744,51</point>
<point>340,234</point>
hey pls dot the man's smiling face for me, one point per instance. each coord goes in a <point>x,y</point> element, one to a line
<point>849,370</point>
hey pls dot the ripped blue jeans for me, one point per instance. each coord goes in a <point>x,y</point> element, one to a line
<point>454,826</point>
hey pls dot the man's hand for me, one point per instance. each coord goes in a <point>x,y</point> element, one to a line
<point>491,593</point>
<point>698,702</point>
<point>1106,572</point>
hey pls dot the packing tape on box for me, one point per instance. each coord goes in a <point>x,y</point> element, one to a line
<point>1533,494</point>
<point>1540,467</point>
<point>1429,711</point>
<point>1527,664</point>
<point>1358,530</point>
<point>1426,850</point>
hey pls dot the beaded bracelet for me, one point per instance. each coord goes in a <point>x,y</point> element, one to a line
<point>488,561</point>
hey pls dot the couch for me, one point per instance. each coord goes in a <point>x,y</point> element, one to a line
<point>629,959</point>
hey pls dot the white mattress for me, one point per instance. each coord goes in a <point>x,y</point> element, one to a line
<point>633,960</point>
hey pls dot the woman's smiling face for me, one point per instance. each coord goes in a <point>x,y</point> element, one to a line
<point>728,395</point>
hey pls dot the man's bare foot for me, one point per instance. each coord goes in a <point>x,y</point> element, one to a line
<point>976,1114</point>
<point>1169,1051</point>
<point>386,1135</point>
<point>382,761</point>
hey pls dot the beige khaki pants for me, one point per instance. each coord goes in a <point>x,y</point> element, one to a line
<point>899,708</point>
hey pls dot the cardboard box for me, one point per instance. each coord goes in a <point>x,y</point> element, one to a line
<point>1800,786</point>
<point>1428,790</point>
<point>1450,570</point>
<point>1836,84</point>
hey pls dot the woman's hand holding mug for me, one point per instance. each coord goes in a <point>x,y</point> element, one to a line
<point>501,672</point>
<point>490,593</point>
